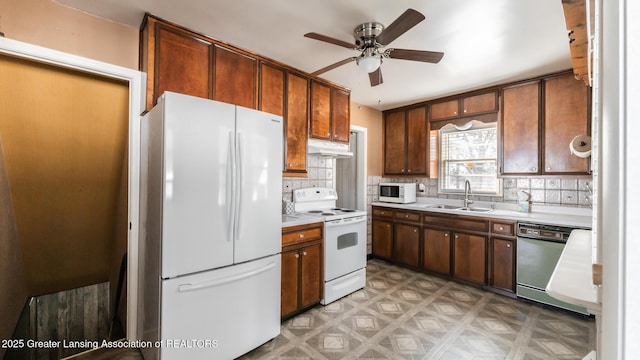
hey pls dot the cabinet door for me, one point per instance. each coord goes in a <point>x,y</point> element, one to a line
<point>272,89</point>
<point>469,259</point>
<point>181,63</point>
<point>503,264</point>
<point>479,104</point>
<point>296,123</point>
<point>445,110</point>
<point>310,275</point>
<point>417,141</point>
<point>289,282</point>
<point>382,238</point>
<point>234,78</point>
<point>395,150</point>
<point>565,116</point>
<point>320,111</point>
<point>437,251</point>
<point>519,130</point>
<point>340,121</point>
<point>406,244</point>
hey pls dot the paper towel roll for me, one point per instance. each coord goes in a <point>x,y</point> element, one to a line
<point>580,146</point>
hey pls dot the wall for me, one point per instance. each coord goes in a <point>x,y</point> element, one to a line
<point>372,120</point>
<point>45,23</point>
<point>12,278</point>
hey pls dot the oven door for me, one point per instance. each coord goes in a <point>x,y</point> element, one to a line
<point>345,246</point>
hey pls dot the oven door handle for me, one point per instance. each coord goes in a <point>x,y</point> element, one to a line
<point>345,222</point>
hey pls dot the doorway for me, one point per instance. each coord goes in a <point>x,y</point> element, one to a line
<point>134,98</point>
<point>351,173</point>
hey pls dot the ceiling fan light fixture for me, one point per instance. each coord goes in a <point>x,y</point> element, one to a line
<point>369,63</point>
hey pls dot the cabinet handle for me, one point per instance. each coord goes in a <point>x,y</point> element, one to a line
<point>409,170</point>
<point>381,212</point>
<point>548,169</point>
<point>501,228</point>
<point>465,111</point>
<point>415,230</point>
<point>335,135</point>
<point>455,113</point>
<point>534,169</point>
<point>508,245</point>
<point>328,134</point>
<point>301,236</point>
<point>388,225</point>
<point>304,253</point>
<point>406,216</point>
<point>297,255</point>
<point>456,236</point>
<point>446,235</point>
<point>402,170</point>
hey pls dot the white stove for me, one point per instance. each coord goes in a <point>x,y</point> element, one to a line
<point>321,202</point>
<point>345,241</point>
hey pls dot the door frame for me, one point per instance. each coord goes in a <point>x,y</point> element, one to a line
<point>136,80</point>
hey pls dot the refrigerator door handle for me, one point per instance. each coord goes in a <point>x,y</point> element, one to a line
<point>233,278</point>
<point>238,192</point>
<point>230,183</point>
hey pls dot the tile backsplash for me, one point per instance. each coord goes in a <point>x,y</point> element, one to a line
<point>320,174</point>
<point>544,191</point>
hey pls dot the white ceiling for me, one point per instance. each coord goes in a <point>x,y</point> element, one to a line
<point>485,42</point>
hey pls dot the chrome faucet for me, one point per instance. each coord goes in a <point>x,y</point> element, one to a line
<point>467,193</point>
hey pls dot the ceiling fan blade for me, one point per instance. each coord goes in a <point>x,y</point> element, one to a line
<point>402,24</point>
<point>333,66</point>
<point>415,55</point>
<point>375,78</point>
<point>330,40</point>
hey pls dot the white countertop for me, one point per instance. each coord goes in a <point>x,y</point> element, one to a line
<point>572,279</point>
<point>543,214</point>
<point>300,219</point>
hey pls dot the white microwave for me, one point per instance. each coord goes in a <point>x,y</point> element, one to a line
<point>400,193</point>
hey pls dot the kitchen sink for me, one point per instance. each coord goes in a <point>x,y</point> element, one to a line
<point>443,206</point>
<point>474,209</point>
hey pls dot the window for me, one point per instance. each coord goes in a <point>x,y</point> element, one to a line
<point>469,153</point>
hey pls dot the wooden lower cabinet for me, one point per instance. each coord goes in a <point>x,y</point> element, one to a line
<point>503,264</point>
<point>469,257</point>
<point>302,275</point>
<point>436,251</point>
<point>382,238</point>
<point>406,244</point>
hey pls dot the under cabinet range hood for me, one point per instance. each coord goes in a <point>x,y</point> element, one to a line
<point>328,149</point>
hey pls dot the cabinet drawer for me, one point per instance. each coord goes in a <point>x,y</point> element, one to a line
<point>387,213</point>
<point>457,222</point>
<point>301,234</point>
<point>407,216</point>
<point>503,228</point>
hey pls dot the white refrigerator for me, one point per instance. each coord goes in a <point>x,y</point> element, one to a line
<point>211,184</point>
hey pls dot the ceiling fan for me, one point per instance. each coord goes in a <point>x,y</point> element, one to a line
<point>371,37</point>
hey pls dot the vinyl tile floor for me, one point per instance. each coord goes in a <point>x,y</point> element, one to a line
<point>402,314</point>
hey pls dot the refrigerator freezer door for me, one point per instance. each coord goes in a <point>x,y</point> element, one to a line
<point>259,153</point>
<point>198,148</point>
<point>223,313</point>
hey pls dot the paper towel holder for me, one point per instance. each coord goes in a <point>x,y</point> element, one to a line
<point>580,146</point>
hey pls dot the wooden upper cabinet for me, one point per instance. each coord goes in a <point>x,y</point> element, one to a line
<point>320,124</point>
<point>406,142</point>
<point>175,60</point>
<point>480,104</point>
<point>235,78</point>
<point>295,123</point>
<point>445,110</point>
<point>330,111</point>
<point>417,141</point>
<point>566,115</point>
<point>463,106</point>
<point>271,89</point>
<point>395,151</point>
<point>340,121</point>
<point>520,129</point>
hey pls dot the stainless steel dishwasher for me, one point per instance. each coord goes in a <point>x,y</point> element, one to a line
<point>539,247</point>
